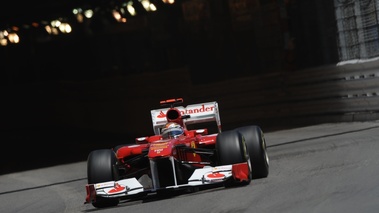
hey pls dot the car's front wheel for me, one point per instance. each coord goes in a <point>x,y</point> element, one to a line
<point>231,149</point>
<point>256,146</point>
<point>101,168</point>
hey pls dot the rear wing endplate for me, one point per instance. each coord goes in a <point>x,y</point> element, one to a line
<point>199,113</point>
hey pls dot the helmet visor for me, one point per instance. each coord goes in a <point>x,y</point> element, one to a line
<point>172,132</point>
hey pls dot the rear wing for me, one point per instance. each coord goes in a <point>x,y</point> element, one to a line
<point>199,113</point>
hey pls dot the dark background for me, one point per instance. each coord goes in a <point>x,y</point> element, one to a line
<point>215,40</point>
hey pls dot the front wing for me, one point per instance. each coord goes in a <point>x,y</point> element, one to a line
<point>131,187</point>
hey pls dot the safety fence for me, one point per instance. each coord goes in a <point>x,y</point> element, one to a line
<point>358,28</point>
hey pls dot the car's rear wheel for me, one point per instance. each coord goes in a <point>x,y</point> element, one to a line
<point>256,146</point>
<point>231,149</point>
<point>101,168</point>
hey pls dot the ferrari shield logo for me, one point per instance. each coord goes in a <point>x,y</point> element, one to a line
<point>193,145</point>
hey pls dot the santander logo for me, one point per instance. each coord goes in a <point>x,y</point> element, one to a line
<point>117,188</point>
<point>215,176</point>
<point>193,110</point>
<point>161,115</point>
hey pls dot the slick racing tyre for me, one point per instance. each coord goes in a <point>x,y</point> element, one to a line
<point>256,146</point>
<point>100,168</point>
<point>231,149</point>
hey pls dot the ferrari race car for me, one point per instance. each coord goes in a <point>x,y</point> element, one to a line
<point>177,157</point>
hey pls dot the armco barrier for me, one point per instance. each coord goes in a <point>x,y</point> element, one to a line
<point>122,104</point>
<point>327,94</point>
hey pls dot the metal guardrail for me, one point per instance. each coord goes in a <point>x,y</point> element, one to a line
<point>348,92</point>
<point>325,94</point>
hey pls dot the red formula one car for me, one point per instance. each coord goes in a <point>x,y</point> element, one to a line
<point>177,157</point>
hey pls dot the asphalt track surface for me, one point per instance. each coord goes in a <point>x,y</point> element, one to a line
<point>323,168</point>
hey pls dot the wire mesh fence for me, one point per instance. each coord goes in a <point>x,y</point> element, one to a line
<point>358,28</point>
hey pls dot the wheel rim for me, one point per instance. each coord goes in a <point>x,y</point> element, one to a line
<point>265,151</point>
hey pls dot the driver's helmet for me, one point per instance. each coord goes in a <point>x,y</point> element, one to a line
<point>172,130</point>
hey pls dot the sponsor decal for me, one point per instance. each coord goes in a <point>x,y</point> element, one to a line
<point>200,109</point>
<point>117,188</point>
<point>215,176</point>
<point>103,185</point>
<point>222,168</point>
<point>161,114</point>
<point>158,147</point>
<point>158,151</point>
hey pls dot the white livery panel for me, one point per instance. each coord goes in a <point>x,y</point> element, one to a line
<point>199,113</point>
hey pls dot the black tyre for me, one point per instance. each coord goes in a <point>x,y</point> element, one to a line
<point>256,146</point>
<point>101,168</point>
<point>231,149</point>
